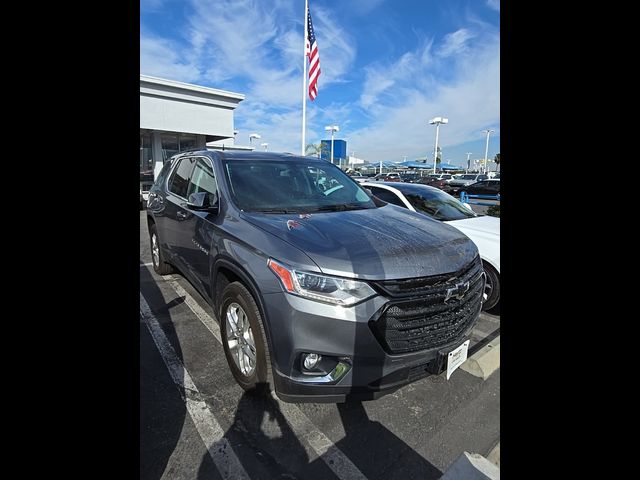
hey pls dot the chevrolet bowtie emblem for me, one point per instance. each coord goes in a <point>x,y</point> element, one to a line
<point>456,292</point>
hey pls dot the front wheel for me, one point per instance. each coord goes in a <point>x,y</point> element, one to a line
<point>157,256</point>
<point>491,288</point>
<point>244,339</point>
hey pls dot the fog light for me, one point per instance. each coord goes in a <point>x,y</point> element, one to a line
<point>311,360</point>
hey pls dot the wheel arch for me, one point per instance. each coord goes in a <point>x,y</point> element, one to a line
<point>225,271</point>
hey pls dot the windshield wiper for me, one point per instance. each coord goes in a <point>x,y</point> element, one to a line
<point>273,210</point>
<point>340,207</point>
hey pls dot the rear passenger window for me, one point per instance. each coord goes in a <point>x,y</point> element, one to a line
<point>388,196</point>
<point>179,181</point>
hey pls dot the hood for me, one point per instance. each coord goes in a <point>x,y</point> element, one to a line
<point>486,226</point>
<point>383,243</point>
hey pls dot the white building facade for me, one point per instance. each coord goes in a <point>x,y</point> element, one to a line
<point>177,116</point>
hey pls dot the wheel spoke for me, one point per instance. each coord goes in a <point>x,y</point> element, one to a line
<point>251,353</point>
<point>245,324</point>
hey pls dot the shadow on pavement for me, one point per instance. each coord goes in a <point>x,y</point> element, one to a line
<point>162,409</point>
<point>260,426</point>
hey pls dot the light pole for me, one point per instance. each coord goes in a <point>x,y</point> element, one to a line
<point>265,145</point>
<point>437,121</point>
<point>486,149</point>
<point>332,128</point>
<point>254,135</point>
<point>468,161</point>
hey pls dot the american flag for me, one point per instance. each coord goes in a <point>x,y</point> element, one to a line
<point>311,49</point>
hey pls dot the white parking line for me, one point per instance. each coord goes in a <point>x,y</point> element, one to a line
<point>208,428</point>
<point>300,424</point>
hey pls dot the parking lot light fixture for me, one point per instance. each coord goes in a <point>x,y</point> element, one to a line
<point>332,128</point>
<point>254,135</point>
<point>437,121</point>
<point>265,145</point>
<point>486,149</point>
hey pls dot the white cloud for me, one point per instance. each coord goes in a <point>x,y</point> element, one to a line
<point>380,78</point>
<point>471,99</point>
<point>494,4</point>
<point>364,6</point>
<point>455,43</point>
<point>159,58</point>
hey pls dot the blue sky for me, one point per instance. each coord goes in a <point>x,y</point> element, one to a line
<point>388,67</point>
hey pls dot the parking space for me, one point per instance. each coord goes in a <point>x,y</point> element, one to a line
<point>196,422</point>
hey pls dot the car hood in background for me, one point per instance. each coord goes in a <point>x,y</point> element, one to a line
<point>374,244</point>
<point>485,233</point>
<point>485,225</point>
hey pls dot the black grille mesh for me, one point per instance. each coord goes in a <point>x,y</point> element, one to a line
<point>418,317</point>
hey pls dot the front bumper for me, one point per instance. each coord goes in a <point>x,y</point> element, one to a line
<point>298,325</point>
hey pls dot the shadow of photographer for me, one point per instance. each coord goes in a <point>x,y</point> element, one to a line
<point>268,447</point>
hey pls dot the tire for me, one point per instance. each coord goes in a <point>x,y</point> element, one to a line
<point>159,265</point>
<point>239,306</point>
<point>492,288</point>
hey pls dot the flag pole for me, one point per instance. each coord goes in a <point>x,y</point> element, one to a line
<point>304,78</point>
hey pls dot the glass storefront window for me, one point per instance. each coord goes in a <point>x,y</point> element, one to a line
<point>169,146</point>
<point>187,142</point>
<point>146,159</point>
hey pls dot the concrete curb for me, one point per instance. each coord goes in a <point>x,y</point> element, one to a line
<point>471,466</point>
<point>494,455</point>
<point>485,361</point>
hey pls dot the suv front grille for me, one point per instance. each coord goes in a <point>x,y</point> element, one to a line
<point>429,312</point>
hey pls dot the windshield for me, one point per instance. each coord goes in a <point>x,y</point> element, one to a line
<point>437,204</point>
<point>292,186</point>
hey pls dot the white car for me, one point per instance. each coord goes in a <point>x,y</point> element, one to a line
<point>483,230</point>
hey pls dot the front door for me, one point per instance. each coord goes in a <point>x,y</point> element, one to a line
<point>197,238</point>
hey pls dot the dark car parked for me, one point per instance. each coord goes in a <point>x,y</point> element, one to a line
<point>321,289</point>
<point>485,187</point>
<point>388,177</point>
<point>433,182</point>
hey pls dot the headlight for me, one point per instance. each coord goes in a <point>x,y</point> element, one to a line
<point>338,291</point>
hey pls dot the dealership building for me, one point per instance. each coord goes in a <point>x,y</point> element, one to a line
<point>177,116</point>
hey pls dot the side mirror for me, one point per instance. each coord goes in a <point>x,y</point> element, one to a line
<point>203,201</point>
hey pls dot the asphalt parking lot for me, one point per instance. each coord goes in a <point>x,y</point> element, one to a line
<point>196,422</point>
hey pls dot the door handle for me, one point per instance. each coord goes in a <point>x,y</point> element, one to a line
<point>181,215</point>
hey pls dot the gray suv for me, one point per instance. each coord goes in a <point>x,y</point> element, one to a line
<point>322,291</point>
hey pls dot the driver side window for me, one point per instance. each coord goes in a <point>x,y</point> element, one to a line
<point>202,178</point>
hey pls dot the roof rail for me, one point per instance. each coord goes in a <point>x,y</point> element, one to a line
<point>190,150</point>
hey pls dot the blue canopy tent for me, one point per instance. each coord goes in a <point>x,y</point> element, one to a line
<point>448,166</point>
<point>414,164</point>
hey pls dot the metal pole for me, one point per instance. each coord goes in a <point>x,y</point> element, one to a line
<point>304,79</point>
<point>331,145</point>
<point>486,150</point>
<point>435,151</point>
<point>468,161</point>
